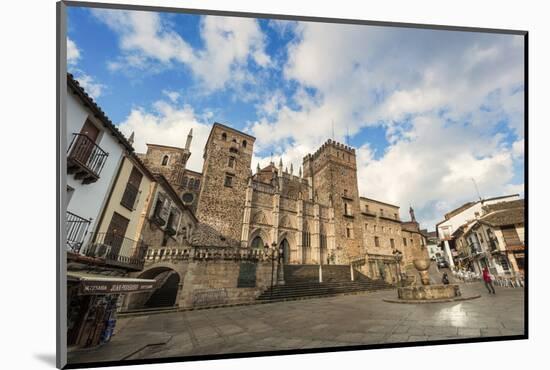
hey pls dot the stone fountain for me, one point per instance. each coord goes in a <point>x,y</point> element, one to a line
<point>425,292</point>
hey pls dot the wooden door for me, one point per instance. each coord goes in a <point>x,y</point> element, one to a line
<point>84,146</point>
<point>116,232</point>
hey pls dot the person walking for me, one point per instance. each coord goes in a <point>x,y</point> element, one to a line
<point>445,279</point>
<point>488,281</point>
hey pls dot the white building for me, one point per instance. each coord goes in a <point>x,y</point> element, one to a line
<point>95,150</point>
<point>460,216</point>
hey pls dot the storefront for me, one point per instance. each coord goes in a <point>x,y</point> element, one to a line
<point>92,302</point>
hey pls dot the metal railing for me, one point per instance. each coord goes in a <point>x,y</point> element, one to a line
<point>118,250</point>
<point>77,228</point>
<point>85,152</point>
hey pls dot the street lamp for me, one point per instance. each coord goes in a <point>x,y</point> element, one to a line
<point>398,257</point>
<point>272,256</point>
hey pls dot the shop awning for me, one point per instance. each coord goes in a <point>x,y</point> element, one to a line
<point>102,284</point>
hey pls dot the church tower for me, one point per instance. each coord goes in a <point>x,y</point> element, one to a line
<point>226,171</point>
<point>332,172</point>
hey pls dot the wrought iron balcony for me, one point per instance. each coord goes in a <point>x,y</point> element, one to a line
<point>118,251</point>
<point>85,159</point>
<point>77,228</point>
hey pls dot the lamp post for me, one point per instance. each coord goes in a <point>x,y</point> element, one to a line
<point>280,271</point>
<point>398,256</point>
<point>266,248</point>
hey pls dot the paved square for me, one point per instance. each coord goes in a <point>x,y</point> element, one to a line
<point>313,323</point>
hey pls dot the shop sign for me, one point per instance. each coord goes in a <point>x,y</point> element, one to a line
<point>112,287</point>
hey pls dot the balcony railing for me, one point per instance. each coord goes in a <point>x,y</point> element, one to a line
<point>77,228</point>
<point>85,159</point>
<point>118,250</point>
<point>129,197</point>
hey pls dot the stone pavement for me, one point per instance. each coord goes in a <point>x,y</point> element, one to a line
<point>314,323</point>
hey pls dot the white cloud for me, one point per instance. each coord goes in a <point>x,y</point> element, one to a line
<point>73,53</point>
<point>229,45</point>
<point>439,94</point>
<point>168,124</point>
<point>172,95</point>
<point>92,87</point>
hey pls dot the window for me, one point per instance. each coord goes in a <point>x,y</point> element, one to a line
<point>381,212</point>
<point>348,232</point>
<point>306,239</point>
<point>187,198</point>
<point>383,229</point>
<point>366,227</point>
<point>366,207</point>
<point>231,162</point>
<point>257,243</point>
<point>323,240</point>
<point>392,243</point>
<point>184,182</point>
<point>197,184</point>
<point>412,242</point>
<point>130,196</point>
<point>164,160</point>
<point>228,181</point>
<point>405,242</point>
<point>395,215</point>
<point>244,143</point>
<point>191,183</point>
<point>184,233</point>
<point>224,136</point>
<point>374,228</point>
<point>376,241</point>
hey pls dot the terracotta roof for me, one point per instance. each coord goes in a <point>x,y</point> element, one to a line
<point>504,205</point>
<point>99,114</point>
<point>504,217</point>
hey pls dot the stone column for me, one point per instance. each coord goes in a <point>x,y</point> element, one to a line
<point>449,254</point>
<point>246,215</point>
<point>275,218</point>
<point>300,226</point>
<point>331,235</point>
<point>315,239</point>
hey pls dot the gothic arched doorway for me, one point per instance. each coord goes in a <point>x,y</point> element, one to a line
<point>286,251</point>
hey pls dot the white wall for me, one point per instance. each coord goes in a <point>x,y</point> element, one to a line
<point>88,199</point>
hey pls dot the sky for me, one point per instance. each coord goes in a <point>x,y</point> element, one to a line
<point>428,111</point>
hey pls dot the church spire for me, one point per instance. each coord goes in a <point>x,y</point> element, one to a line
<point>189,138</point>
<point>411,212</point>
<point>131,138</point>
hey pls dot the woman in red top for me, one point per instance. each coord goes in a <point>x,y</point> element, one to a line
<point>488,281</point>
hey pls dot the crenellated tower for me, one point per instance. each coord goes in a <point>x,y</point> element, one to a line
<point>332,173</point>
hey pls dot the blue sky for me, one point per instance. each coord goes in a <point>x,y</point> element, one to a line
<point>427,110</point>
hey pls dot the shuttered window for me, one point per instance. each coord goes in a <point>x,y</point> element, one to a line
<point>510,235</point>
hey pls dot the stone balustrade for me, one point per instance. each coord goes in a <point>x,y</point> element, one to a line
<point>155,254</point>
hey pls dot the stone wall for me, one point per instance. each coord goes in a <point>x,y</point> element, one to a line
<point>223,282</point>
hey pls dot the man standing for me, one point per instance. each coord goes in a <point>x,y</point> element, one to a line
<point>488,281</point>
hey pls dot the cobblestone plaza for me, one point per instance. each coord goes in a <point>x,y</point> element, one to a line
<point>315,323</point>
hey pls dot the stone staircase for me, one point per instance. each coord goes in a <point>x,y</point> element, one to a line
<point>302,282</point>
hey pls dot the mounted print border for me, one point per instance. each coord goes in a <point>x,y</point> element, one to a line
<point>237,184</point>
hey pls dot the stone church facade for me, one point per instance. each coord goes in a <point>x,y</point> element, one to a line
<point>316,216</point>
